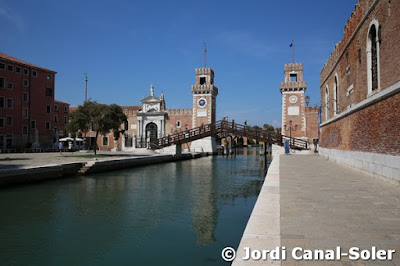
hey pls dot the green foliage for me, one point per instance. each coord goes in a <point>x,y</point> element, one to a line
<point>268,127</point>
<point>101,118</point>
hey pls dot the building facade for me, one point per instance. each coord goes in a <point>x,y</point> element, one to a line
<point>298,120</point>
<point>61,111</point>
<point>26,105</point>
<point>153,120</point>
<point>360,92</point>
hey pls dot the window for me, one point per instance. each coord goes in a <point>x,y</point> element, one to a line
<point>25,83</point>
<point>9,120</point>
<point>24,130</point>
<point>1,102</point>
<point>9,103</point>
<point>2,82</point>
<point>65,109</point>
<point>326,102</point>
<point>105,141</point>
<point>126,125</point>
<point>34,73</point>
<point>293,77</point>
<point>9,86</point>
<point>33,124</point>
<point>56,107</point>
<point>25,97</point>
<point>178,123</point>
<point>48,77</point>
<point>336,96</point>
<point>202,80</point>
<point>1,122</point>
<point>10,68</point>
<point>2,66</point>
<point>373,57</point>
<point>48,125</point>
<point>25,113</point>
<point>9,141</point>
<point>65,119</point>
<point>48,109</point>
<point>26,71</point>
<point>18,70</point>
<point>49,92</point>
<point>56,119</point>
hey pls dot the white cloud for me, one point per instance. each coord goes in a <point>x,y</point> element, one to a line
<point>13,17</point>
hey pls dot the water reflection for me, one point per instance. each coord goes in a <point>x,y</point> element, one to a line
<point>196,207</point>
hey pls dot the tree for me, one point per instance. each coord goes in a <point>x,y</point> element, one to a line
<point>268,127</point>
<point>101,118</point>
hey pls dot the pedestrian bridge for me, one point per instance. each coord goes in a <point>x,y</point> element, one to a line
<point>224,128</point>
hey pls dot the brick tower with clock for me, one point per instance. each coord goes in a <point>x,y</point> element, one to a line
<point>293,102</point>
<point>204,107</point>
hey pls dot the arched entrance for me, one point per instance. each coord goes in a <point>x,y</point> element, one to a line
<point>151,131</point>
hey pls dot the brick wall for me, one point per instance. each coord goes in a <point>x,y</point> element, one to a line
<point>351,70</point>
<point>175,115</point>
<point>375,128</point>
<point>311,114</point>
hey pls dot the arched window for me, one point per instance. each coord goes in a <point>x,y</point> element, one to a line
<point>373,57</point>
<point>178,123</point>
<point>326,102</point>
<point>336,96</point>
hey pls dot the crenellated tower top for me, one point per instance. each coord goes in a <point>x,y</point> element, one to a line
<point>293,78</point>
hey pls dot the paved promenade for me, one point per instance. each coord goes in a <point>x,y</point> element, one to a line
<point>324,205</point>
<point>22,160</point>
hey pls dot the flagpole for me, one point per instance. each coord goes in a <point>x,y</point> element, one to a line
<point>293,51</point>
<point>205,52</point>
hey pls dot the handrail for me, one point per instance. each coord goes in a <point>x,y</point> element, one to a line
<point>223,126</point>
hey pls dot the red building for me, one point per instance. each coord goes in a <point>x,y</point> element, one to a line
<point>360,92</point>
<point>61,111</point>
<point>26,104</point>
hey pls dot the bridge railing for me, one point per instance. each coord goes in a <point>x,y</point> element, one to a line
<point>226,127</point>
<point>296,143</point>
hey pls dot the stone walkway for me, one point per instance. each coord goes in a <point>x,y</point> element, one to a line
<point>22,160</point>
<point>324,205</point>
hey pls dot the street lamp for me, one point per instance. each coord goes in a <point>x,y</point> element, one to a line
<point>307,100</point>
<point>290,131</point>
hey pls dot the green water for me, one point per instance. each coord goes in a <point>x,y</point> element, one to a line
<point>181,213</point>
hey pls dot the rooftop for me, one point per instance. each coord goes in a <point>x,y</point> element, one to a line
<point>15,60</point>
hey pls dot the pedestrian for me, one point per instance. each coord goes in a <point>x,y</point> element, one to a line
<point>60,146</point>
<point>187,132</point>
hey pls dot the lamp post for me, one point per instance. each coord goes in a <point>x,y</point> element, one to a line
<point>307,99</point>
<point>290,131</point>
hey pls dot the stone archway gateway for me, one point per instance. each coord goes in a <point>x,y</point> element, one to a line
<point>151,131</point>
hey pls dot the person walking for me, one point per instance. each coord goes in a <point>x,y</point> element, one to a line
<point>60,147</point>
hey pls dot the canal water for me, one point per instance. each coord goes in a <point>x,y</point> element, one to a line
<point>181,213</point>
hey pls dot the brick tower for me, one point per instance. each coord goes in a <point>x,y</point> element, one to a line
<point>293,105</point>
<point>204,107</point>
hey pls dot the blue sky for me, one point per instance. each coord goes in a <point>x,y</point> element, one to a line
<point>125,46</point>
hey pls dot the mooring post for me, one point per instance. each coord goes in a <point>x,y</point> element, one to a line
<point>178,150</point>
<point>262,149</point>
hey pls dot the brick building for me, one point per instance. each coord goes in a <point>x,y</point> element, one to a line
<point>360,85</point>
<point>26,104</point>
<point>61,111</point>
<point>154,120</point>
<point>298,120</point>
